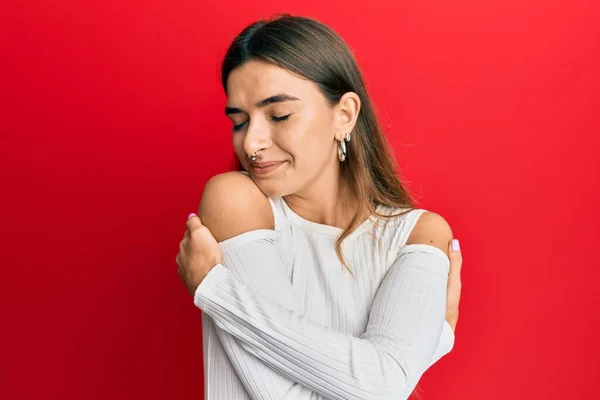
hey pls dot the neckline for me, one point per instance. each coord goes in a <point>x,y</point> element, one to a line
<point>323,228</point>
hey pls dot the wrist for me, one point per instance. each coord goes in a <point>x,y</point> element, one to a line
<point>209,284</point>
<point>199,279</point>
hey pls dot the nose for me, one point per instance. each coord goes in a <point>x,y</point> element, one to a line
<point>258,138</point>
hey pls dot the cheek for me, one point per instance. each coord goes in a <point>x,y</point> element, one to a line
<point>238,142</point>
<point>317,136</point>
<point>238,146</point>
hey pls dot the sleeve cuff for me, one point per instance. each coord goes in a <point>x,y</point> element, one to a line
<point>419,250</point>
<point>217,274</point>
<point>247,237</point>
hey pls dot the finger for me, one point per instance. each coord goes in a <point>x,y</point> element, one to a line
<point>456,260</point>
<point>454,282</point>
<point>193,222</point>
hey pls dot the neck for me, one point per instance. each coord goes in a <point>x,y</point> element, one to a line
<point>327,200</point>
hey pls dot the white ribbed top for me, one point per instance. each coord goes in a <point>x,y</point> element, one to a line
<point>283,319</point>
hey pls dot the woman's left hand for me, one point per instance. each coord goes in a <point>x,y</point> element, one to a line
<point>198,253</point>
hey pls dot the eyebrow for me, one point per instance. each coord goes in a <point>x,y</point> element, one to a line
<point>278,98</point>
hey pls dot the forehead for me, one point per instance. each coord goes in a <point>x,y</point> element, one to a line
<point>256,80</point>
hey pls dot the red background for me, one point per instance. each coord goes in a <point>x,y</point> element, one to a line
<point>112,119</point>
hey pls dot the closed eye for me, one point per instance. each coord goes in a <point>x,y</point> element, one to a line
<point>279,119</point>
<point>273,118</point>
<point>239,126</point>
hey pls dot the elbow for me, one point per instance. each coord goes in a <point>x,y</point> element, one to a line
<point>394,383</point>
<point>401,389</point>
<point>388,392</point>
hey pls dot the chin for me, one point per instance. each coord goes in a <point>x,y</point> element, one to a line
<point>274,187</point>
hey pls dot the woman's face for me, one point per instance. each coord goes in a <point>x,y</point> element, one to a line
<point>287,122</point>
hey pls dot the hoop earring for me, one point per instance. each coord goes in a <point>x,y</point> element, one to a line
<point>342,150</point>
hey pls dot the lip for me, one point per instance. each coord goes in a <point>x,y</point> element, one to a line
<point>264,168</point>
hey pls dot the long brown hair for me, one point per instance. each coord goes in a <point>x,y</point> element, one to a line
<point>311,49</point>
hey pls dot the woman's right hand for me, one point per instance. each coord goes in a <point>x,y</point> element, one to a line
<point>454,284</point>
<point>198,253</point>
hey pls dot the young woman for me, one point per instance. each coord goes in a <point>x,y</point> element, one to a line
<point>316,275</point>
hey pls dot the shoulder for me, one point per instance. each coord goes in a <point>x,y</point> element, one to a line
<point>232,204</point>
<point>431,229</point>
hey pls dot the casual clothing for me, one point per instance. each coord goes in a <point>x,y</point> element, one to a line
<point>284,319</point>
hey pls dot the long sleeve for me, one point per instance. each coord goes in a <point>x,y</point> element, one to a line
<point>253,258</point>
<point>405,323</point>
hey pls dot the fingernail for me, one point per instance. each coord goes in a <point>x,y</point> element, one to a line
<point>455,245</point>
<point>191,215</point>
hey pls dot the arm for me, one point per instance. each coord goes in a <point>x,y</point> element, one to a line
<point>248,244</point>
<point>384,363</point>
<point>253,258</point>
<point>261,298</point>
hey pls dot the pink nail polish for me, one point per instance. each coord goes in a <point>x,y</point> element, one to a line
<point>455,245</point>
<point>191,215</point>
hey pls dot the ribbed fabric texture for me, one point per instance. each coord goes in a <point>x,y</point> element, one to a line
<point>283,319</point>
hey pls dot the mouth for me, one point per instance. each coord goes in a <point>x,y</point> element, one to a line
<point>264,168</point>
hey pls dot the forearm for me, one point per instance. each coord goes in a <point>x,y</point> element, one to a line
<point>253,258</point>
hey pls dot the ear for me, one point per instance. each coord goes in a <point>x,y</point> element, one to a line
<point>346,114</point>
